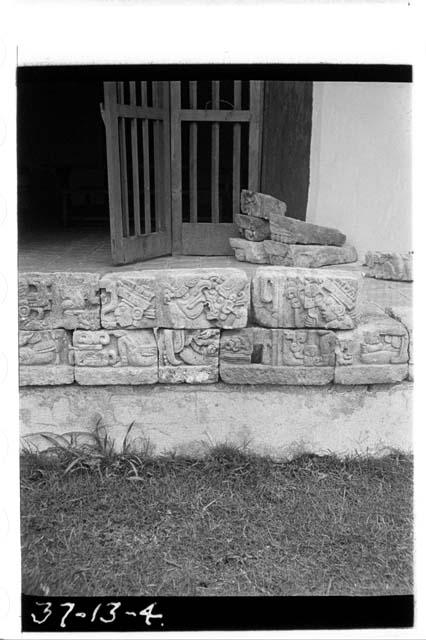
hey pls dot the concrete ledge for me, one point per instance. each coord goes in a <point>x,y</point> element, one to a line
<point>279,421</point>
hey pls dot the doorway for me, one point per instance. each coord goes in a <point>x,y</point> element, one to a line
<point>178,155</point>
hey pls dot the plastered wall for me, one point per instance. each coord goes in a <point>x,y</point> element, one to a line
<point>360,169</point>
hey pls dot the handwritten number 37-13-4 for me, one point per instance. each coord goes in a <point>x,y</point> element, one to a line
<point>106,615</point>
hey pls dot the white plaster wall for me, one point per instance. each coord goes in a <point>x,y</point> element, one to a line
<point>360,179</point>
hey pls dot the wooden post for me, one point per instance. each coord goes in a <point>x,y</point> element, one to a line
<point>215,154</point>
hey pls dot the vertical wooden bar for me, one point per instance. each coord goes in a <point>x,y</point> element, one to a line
<point>166,193</point>
<point>123,165</point>
<point>176,166</point>
<point>158,174</point>
<point>135,164</point>
<point>255,134</point>
<point>236,159</point>
<point>215,154</point>
<point>146,170</point>
<point>193,135</point>
<point>113,166</point>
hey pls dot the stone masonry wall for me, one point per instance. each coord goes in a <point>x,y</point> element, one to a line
<point>287,326</point>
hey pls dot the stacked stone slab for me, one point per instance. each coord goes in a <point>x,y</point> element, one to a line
<point>269,237</point>
<point>192,326</point>
<point>389,265</point>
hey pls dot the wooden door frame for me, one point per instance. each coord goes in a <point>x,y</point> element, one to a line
<point>220,231</point>
<point>126,248</point>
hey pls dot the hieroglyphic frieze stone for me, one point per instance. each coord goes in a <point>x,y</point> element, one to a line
<point>389,265</point>
<point>309,255</point>
<point>277,356</point>
<point>404,315</point>
<point>203,298</point>
<point>292,231</point>
<point>188,355</point>
<point>44,357</point>
<point>305,298</point>
<point>376,352</point>
<point>129,300</point>
<point>261,205</point>
<point>66,300</point>
<point>252,228</point>
<point>246,251</point>
<point>115,357</point>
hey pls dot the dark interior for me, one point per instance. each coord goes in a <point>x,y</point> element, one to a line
<point>62,173</point>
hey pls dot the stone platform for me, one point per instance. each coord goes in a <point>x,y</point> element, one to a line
<point>208,347</point>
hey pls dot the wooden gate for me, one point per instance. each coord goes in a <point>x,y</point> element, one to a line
<point>137,123</point>
<point>208,134</point>
<point>215,152</point>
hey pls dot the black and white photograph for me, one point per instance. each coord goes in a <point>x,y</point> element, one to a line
<point>214,345</point>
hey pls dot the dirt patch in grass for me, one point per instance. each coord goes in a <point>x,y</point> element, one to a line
<point>228,524</point>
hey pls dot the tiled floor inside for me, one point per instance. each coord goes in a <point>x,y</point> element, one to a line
<point>89,250</point>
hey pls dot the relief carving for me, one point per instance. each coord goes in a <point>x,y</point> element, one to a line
<point>389,266</point>
<point>128,302</point>
<point>205,300</point>
<point>45,357</point>
<point>43,347</point>
<point>188,347</point>
<point>58,300</point>
<point>35,301</point>
<point>375,352</point>
<point>287,300</point>
<point>118,348</point>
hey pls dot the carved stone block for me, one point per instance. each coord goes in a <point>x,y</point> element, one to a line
<point>65,300</point>
<point>305,298</point>
<point>308,255</point>
<point>246,251</point>
<point>404,315</point>
<point>261,205</point>
<point>252,228</point>
<point>115,357</point>
<point>376,352</point>
<point>389,266</point>
<point>188,355</point>
<point>129,300</point>
<point>203,298</point>
<point>44,357</point>
<point>277,356</point>
<point>292,231</point>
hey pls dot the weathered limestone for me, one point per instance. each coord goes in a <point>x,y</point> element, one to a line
<point>203,298</point>
<point>261,205</point>
<point>376,352</point>
<point>292,231</point>
<point>301,298</point>
<point>277,356</point>
<point>246,251</point>
<point>188,355</point>
<point>308,256</point>
<point>252,228</point>
<point>129,300</point>
<point>115,357</point>
<point>405,316</point>
<point>44,357</point>
<point>65,300</point>
<point>389,266</point>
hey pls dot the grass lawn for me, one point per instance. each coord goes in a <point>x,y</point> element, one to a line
<point>227,524</point>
